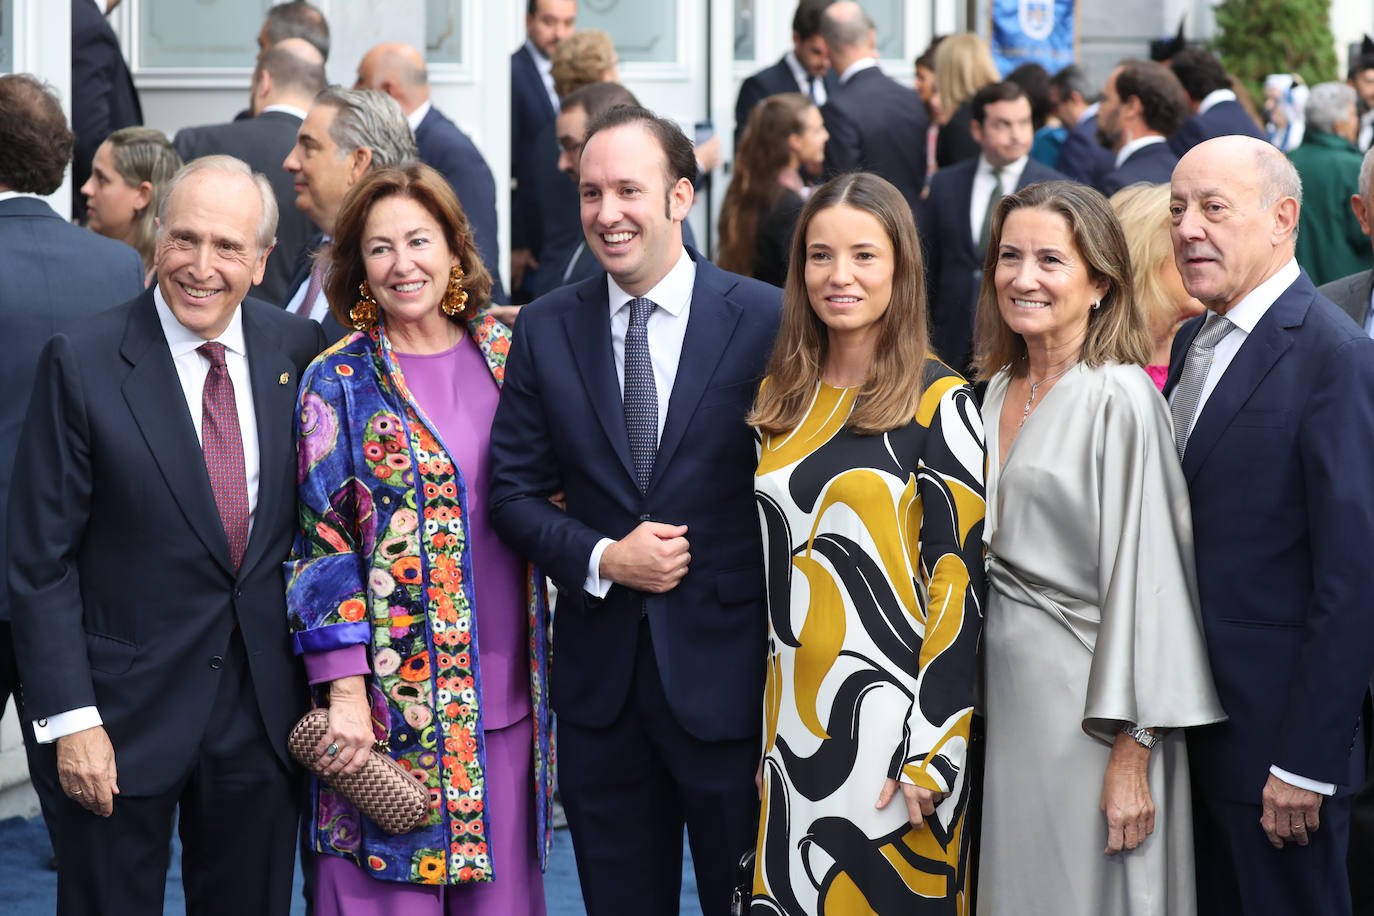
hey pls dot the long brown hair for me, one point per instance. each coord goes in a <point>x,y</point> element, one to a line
<point>430,190</point>
<point>754,189</point>
<point>1116,329</point>
<point>892,392</point>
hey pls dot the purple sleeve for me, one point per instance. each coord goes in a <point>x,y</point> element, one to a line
<point>333,664</point>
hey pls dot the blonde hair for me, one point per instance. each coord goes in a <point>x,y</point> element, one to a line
<point>144,154</point>
<point>891,393</point>
<point>583,58</point>
<point>1116,328</point>
<point>1143,210</point>
<point>963,65</point>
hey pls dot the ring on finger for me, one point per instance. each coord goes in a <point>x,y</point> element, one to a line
<point>333,749</point>
<point>76,791</point>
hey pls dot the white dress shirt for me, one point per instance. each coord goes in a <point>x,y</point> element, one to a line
<point>983,183</point>
<point>320,308</point>
<point>666,328</point>
<point>804,79</point>
<point>1216,96</point>
<point>286,109</point>
<point>1245,315</point>
<point>418,115</point>
<point>192,369</point>
<point>863,63</point>
<point>1138,143</point>
<point>545,67</point>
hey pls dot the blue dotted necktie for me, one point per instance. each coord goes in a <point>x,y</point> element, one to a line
<point>641,397</point>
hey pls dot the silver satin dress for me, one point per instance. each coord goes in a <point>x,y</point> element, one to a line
<point>1092,622</point>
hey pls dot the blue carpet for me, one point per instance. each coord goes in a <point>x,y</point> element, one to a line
<point>27,888</point>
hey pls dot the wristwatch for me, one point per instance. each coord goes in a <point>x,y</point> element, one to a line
<point>1143,736</point>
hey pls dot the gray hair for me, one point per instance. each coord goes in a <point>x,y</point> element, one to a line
<point>368,119</point>
<point>845,26</point>
<point>1074,78</point>
<point>1365,168</point>
<point>267,223</point>
<point>1328,104</point>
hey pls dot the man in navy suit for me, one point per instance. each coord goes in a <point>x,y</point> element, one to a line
<point>1142,105</point>
<point>398,70</point>
<point>533,104</point>
<point>1273,407</point>
<point>876,124</point>
<point>627,393</point>
<point>145,568</point>
<point>67,274</point>
<point>1074,100</point>
<point>103,95</point>
<point>954,220</point>
<point>805,68</point>
<point>1216,112</point>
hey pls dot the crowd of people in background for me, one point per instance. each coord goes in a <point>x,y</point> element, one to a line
<point>982,531</point>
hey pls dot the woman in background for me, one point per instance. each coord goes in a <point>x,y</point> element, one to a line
<point>784,134</point>
<point>963,65</point>
<point>129,178</point>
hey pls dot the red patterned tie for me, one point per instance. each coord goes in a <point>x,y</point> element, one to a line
<point>223,446</point>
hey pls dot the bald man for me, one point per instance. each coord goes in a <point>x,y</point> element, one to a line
<point>399,70</point>
<point>1272,395</point>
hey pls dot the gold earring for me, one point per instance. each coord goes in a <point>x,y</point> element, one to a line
<point>364,314</point>
<point>455,297</point>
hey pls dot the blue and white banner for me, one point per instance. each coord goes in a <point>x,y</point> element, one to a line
<point>1044,32</point>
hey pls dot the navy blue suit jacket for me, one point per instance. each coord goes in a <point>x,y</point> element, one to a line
<point>1154,163</point>
<point>103,95</point>
<point>772,80</point>
<point>953,263</point>
<point>1220,120</point>
<point>68,274</point>
<point>530,110</point>
<point>1081,157</point>
<point>452,153</point>
<point>560,426</point>
<point>1283,518</point>
<point>878,125</point>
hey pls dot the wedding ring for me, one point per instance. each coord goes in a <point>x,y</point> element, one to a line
<point>76,791</point>
<point>333,749</point>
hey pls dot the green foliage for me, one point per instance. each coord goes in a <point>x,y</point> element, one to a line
<point>1259,37</point>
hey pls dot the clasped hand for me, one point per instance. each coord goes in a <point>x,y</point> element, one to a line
<point>1288,814</point>
<point>651,558</point>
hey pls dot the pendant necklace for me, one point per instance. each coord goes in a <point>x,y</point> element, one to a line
<point>1035,387</point>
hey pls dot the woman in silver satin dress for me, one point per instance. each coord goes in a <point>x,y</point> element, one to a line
<point>1094,650</point>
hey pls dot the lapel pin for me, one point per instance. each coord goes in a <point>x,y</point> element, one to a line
<point>285,377</point>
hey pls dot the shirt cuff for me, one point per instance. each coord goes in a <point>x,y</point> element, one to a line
<point>1302,782</point>
<point>332,664</point>
<point>49,729</point>
<point>596,586</point>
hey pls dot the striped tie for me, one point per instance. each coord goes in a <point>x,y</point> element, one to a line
<point>641,397</point>
<point>1195,366</point>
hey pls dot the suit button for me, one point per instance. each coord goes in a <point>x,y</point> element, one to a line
<point>646,518</point>
<point>216,661</point>
<point>238,593</point>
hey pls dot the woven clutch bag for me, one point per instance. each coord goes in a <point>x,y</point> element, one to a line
<point>382,789</point>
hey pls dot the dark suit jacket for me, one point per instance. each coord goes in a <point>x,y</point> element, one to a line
<point>558,210</point>
<point>1282,534</point>
<point>953,263</point>
<point>450,151</point>
<point>123,591</point>
<point>530,110</point>
<point>1351,294</point>
<point>954,141</point>
<point>1154,163</point>
<point>1220,120</point>
<point>878,125</point>
<point>772,80</point>
<point>68,275</point>
<point>560,426</point>
<point>300,276</point>
<point>1082,158</point>
<point>103,95</point>
<point>262,142</point>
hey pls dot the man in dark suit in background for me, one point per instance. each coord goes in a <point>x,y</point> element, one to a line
<point>1142,106</point>
<point>286,80</point>
<point>60,274</point>
<point>1273,413</point>
<point>399,71</point>
<point>627,393</point>
<point>875,123</point>
<point>1074,99</point>
<point>145,568</point>
<point>103,95</point>
<point>1215,111</point>
<point>1355,295</point>
<point>955,218</point>
<point>805,68</point>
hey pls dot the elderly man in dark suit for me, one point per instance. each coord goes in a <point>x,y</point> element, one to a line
<point>103,95</point>
<point>805,68</point>
<point>1215,110</point>
<point>145,568</point>
<point>876,124</point>
<point>955,219</point>
<point>627,393</point>
<point>1272,398</point>
<point>286,80</point>
<point>1142,106</point>
<point>68,274</point>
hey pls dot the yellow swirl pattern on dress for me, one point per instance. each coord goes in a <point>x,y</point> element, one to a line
<point>945,608</point>
<point>968,506</point>
<point>829,410</point>
<point>822,637</point>
<point>843,898</point>
<point>772,700</point>
<point>930,399</point>
<point>867,493</point>
<point>922,883</point>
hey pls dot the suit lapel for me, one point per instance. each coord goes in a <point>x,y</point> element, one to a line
<point>589,337</point>
<point>963,209</point>
<point>274,403</point>
<point>153,392</point>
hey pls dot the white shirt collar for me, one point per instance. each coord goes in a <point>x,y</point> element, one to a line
<point>858,65</point>
<point>418,115</point>
<point>672,293</point>
<point>11,195</point>
<point>1011,172</point>
<point>1089,112</point>
<point>286,109</point>
<point>542,63</point>
<point>1246,313</point>
<point>798,71</point>
<point>182,340</point>
<point>1216,96</point>
<point>1137,143</point>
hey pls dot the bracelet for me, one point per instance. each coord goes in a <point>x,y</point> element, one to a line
<point>1143,736</point>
